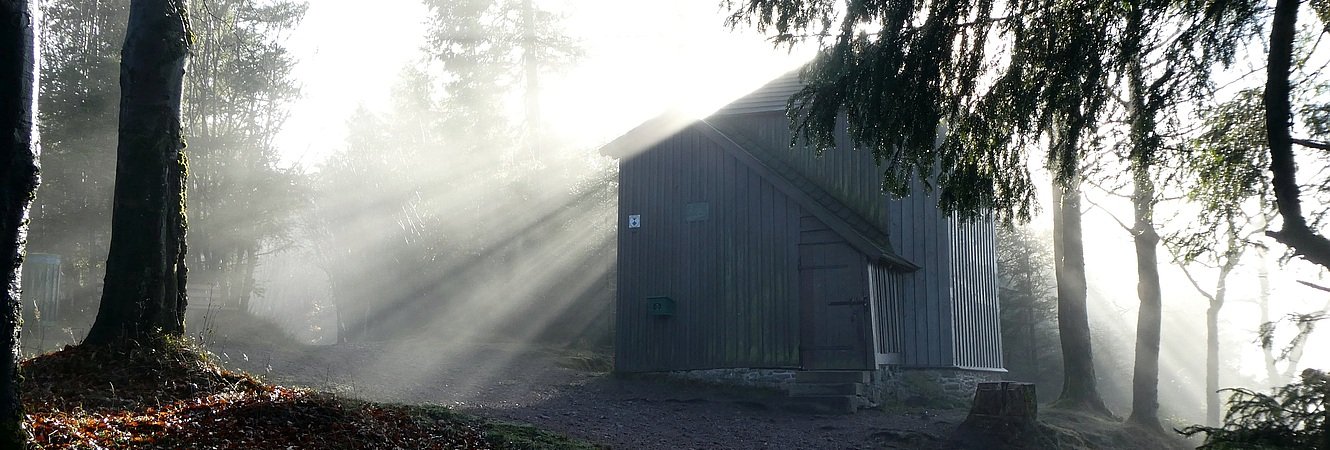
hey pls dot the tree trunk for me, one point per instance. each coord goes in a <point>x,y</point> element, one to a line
<point>144,292</point>
<point>1295,232</point>
<point>1032,343</point>
<point>18,172</point>
<point>1212,406</point>
<point>1144,144</point>
<point>1299,345</point>
<point>1145,376</point>
<point>247,279</point>
<point>1272,378</point>
<point>1079,387</point>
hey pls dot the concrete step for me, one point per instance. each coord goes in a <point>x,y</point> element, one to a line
<point>807,389</point>
<point>832,376</point>
<point>824,404</point>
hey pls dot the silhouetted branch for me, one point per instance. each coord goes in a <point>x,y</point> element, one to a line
<point>1320,145</point>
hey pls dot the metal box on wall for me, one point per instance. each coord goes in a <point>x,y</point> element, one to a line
<point>660,306</point>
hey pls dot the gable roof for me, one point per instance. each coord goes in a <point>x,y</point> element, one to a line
<point>771,97</point>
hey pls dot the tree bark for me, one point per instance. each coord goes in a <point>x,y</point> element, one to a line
<point>1212,406</point>
<point>1080,386</point>
<point>1145,376</point>
<point>18,169</point>
<point>1216,301</point>
<point>144,293</point>
<point>247,278</point>
<point>1144,145</point>
<point>1272,377</point>
<point>1295,233</point>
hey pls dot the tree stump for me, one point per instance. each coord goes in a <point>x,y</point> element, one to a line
<point>1003,416</point>
<point>1013,401</point>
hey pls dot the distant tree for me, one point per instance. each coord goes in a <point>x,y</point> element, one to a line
<point>367,223</point>
<point>1224,171</point>
<point>241,202</point>
<point>18,170</point>
<point>242,205</point>
<point>80,45</point>
<point>144,293</point>
<point>1029,307</point>
<point>1291,352</point>
<point>445,189</point>
<point>489,48</point>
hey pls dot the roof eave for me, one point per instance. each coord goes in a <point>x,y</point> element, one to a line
<point>648,134</point>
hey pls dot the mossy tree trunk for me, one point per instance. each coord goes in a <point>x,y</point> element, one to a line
<point>18,172</point>
<point>1080,386</point>
<point>144,293</point>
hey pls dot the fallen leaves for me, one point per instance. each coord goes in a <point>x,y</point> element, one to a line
<point>172,397</point>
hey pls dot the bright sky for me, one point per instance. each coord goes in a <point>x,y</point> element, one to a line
<point>642,56</point>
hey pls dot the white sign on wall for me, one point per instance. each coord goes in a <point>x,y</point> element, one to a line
<point>635,221</point>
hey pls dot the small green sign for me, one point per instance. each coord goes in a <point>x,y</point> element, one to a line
<point>696,212</point>
<point>660,306</point>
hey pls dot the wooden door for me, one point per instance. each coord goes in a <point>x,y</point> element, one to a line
<point>834,324</point>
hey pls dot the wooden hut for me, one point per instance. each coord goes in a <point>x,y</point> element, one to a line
<point>739,252</point>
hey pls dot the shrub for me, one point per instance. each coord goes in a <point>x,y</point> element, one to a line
<point>1292,417</point>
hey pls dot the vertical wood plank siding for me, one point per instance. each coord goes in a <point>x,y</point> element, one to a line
<point>887,289</point>
<point>936,327</point>
<point>974,294</point>
<point>848,174</point>
<point>919,233</point>
<point>733,275</point>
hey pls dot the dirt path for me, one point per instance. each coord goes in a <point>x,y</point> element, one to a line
<point>525,384</point>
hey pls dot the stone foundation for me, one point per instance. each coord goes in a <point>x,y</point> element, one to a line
<point>758,378</point>
<point>915,387</point>
<point>935,387</point>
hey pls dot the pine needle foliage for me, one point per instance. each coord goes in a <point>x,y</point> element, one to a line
<point>1292,417</point>
<point>959,93</point>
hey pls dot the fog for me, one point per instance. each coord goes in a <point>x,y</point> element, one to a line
<point>415,189</point>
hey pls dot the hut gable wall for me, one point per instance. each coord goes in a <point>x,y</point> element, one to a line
<point>718,240</point>
<point>722,241</point>
<point>851,176</point>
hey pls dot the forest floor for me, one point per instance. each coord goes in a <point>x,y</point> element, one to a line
<point>168,395</point>
<point>572,393</point>
<point>564,392</point>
